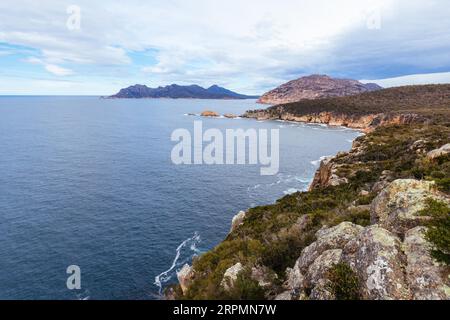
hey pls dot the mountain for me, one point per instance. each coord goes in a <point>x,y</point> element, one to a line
<point>175,91</point>
<point>315,87</point>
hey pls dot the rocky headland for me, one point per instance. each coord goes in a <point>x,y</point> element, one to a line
<point>374,225</point>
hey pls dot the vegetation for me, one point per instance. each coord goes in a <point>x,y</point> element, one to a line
<point>344,283</point>
<point>439,229</point>
<point>245,288</point>
<point>275,235</point>
<point>430,100</point>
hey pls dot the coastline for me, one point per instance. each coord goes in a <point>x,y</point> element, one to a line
<point>336,174</point>
<point>185,274</point>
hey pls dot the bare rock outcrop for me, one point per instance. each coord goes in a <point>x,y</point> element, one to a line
<point>428,280</point>
<point>185,277</point>
<point>387,267</point>
<point>238,220</point>
<point>442,151</point>
<point>209,114</point>
<point>327,175</point>
<point>376,257</point>
<point>398,207</point>
<point>328,239</point>
<point>230,276</point>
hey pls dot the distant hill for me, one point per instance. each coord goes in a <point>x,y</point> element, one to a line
<point>175,91</point>
<point>315,87</point>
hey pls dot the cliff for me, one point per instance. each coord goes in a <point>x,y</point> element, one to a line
<point>374,224</point>
<point>177,92</point>
<point>315,87</point>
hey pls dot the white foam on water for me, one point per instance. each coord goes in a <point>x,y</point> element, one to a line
<point>291,191</point>
<point>165,276</point>
<point>317,162</point>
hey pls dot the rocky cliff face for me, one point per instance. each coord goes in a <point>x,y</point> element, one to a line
<point>315,87</point>
<point>365,122</point>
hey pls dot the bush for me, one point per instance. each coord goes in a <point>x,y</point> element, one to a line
<point>245,288</point>
<point>443,184</point>
<point>344,283</point>
<point>439,229</point>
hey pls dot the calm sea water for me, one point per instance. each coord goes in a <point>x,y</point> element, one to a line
<point>90,182</point>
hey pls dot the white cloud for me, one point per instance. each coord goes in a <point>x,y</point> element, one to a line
<point>58,71</point>
<point>52,68</point>
<point>413,79</point>
<point>247,45</point>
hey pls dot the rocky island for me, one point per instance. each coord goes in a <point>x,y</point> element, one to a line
<point>375,223</point>
<point>175,91</point>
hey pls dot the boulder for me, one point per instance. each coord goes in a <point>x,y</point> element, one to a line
<point>230,276</point>
<point>328,239</point>
<point>426,277</point>
<point>398,206</point>
<point>230,116</point>
<point>237,220</point>
<point>376,257</point>
<point>185,277</point>
<point>442,151</point>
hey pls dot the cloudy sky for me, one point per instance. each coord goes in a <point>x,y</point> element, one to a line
<point>250,46</point>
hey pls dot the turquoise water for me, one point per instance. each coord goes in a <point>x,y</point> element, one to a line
<point>89,182</point>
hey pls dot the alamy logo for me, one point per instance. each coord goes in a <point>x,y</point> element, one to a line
<point>74,280</point>
<point>74,20</point>
<point>236,146</point>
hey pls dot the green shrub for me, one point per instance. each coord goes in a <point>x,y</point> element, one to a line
<point>439,229</point>
<point>344,283</point>
<point>245,288</point>
<point>443,184</point>
<point>284,253</point>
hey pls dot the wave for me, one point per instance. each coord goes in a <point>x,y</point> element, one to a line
<point>282,185</point>
<point>165,276</point>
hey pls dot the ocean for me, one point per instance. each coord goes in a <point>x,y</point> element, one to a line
<point>90,182</point>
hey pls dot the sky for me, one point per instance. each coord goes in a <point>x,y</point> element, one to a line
<point>85,47</point>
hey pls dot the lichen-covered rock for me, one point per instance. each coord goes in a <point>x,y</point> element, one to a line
<point>316,278</point>
<point>230,276</point>
<point>397,208</point>
<point>185,277</point>
<point>376,257</point>
<point>427,279</point>
<point>320,267</point>
<point>264,276</point>
<point>442,151</point>
<point>238,220</point>
<point>328,239</point>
